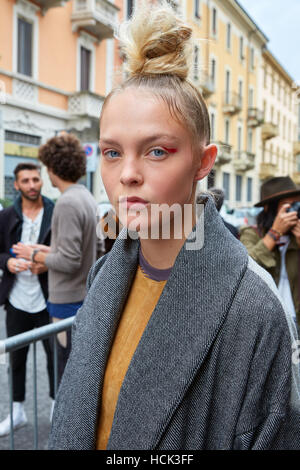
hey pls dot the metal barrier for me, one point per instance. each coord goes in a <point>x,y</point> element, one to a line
<point>24,339</point>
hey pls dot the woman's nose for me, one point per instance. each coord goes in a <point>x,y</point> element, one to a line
<point>131,173</point>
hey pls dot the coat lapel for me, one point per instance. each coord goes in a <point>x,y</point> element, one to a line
<point>176,341</point>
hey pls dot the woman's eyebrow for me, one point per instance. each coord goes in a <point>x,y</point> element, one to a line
<point>142,141</point>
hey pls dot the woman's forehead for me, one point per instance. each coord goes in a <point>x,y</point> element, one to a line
<point>138,109</point>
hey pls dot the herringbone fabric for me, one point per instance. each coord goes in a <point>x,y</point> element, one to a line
<point>212,369</point>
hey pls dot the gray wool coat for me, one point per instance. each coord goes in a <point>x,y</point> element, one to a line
<point>213,369</point>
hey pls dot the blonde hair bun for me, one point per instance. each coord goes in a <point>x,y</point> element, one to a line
<point>156,41</point>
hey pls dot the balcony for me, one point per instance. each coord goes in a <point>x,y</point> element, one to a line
<point>46,4</point>
<point>98,17</point>
<point>85,104</point>
<point>255,117</point>
<point>267,170</point>
<point>296,178</point>
<point>296,147</point>
<point>224,154</point>
<point>232,103</point>
<point>244,161</point>
<point>207,85</point>
<point>269,130</point>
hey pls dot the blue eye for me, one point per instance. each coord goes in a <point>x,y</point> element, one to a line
<point>158,152</point>
<point>112,153</point>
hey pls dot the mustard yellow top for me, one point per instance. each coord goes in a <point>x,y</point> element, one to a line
<point>143,297</point>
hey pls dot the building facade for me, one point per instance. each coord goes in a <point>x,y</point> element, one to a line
<point>58,61</point>
<point>57,64</point>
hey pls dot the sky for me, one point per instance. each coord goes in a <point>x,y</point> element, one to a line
<point>279,20</point>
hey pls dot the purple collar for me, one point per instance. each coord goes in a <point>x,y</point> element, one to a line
<point>151,272</point>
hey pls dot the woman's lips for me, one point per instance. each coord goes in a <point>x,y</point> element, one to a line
<point>133,202</point>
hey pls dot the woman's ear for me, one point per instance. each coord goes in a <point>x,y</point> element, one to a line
<point>207,161</point>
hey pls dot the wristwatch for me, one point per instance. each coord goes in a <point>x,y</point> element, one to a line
<point>33,255</point>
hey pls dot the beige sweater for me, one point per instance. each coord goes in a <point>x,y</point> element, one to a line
<point>73,245</point>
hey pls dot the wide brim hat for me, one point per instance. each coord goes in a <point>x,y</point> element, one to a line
<point>277,188</point>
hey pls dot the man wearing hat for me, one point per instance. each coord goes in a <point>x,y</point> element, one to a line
<point>275,242</point>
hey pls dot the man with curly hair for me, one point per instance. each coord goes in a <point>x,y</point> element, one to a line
<point>73,241</point>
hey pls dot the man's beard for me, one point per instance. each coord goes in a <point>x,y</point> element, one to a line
<point>30,198</point>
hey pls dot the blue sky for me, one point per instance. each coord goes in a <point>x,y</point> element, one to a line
<point>280,21</point>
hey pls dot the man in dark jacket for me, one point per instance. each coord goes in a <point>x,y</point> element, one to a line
<point>23,290</point>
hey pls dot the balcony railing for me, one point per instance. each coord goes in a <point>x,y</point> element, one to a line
<point>207,84</point>
<point>224,154</point>
<point>232,103</point>
<point>14,343</point>
<point>85,104</point>
<point>244,161</point>
<point>296,147</point>
<point>267,170</point>
<point>269,130</point>
<point>99,17</point>
<point>255,117</point>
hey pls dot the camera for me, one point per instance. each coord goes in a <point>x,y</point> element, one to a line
<point>295,207</point>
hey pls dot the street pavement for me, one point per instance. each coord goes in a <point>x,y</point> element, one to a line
<point>24,437</point>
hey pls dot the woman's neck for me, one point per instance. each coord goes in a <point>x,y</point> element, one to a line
<point>162,253</point>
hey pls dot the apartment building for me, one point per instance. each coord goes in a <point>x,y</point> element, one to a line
<point>57,63</point>
<point>280,143</point>
<point>228,56</point>
<point>58,60</point>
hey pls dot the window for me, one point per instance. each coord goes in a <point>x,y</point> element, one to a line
<point>197,8</point>
<point>238,187</point>
<point>252,59</point>
<point>298,163</point>
<point>265,77</point>
<point>227,131</point>
<point>249,189</point>
<point>227,86</point>
<point>283,126</point>
<point>241,48</point>
<point>24,53</point>
<point>265,110</point>
<point>272,114</point>
<point>284,96</point>
<point>226,185</point>
<point>213,125</point>
<point>251,98</point>
<point>279,90</point>
<point>250,140</point>
<point>272,84</point>
<point>228,36</point>
<point>239,139</point>
<point>271,153</point>
<point>240,92</point>
<point>213,71</point>
<point>129,8</point>
<point>196,63</point>
<point>85,68</point>
<point>214,21</point>
<point>23,138</point>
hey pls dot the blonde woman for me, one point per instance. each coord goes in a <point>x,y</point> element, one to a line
<point>182,341</point>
